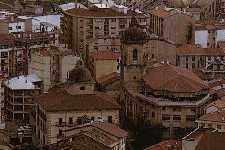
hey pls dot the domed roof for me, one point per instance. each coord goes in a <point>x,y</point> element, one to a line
<point>166,77</point>
<point>134,34</point>
<point>80,74</point>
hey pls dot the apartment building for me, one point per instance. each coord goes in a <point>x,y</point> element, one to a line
<point>52,64</point>
<point>11,57</point>
<point>68,106</point>
<point>105,43</point>
<point>208,34</point>
<point>18,97</point>
<point>2,121</point>
<point>171,24</point>
<point>80,25</point>
<point>207,61</point>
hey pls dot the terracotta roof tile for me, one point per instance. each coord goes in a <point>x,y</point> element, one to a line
<point>107,79</point>
<point>220,104</point>
<point>211,141</point>
<point>61,100</point>
<point>174,79</point>
<point>94,12</point>
<point>200,51</point>
<point>102,133</point>
<point>160,13</point>
<point>112,129</point>
<point>214,117</point>
<point>166,145</point>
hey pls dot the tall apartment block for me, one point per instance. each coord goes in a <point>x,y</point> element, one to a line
<point>81,25</point>
<point>18,97</point>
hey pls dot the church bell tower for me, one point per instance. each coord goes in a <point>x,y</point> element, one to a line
<point>133,52</point>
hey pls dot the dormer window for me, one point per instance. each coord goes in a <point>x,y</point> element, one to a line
<point>135,55</point>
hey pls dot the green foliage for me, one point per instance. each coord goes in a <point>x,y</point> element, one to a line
<point>147,135</point>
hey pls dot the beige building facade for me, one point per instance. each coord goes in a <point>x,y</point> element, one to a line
<point>103,63</point>
<point>52,64</point>
<point>53,122</point>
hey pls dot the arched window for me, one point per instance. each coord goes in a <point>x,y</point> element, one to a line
<point>135,55</point>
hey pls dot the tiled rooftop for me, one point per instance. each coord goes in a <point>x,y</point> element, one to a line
<point>61,100</point>
<point>174,79</point>
<point>189,51</point>
<point>94,12</point>
<point>218,116</point>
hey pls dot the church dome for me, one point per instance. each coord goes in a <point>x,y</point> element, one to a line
<point>80,74</point>
<point>166,77</point>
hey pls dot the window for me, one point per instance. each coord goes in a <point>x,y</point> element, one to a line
<point>176,109</point>
<point>122,26</point>
<point>202,125</point>
<point>10,28</point>
<point>153,114</point>
<point>186,59</point>
<point>135,55</point>
<point>193,58</point>
<point>178,60</point>
<point>113,19</point>
<point>110,119</point>
<point>118,67</point>
<point>18,27</point>
<point>176,117</point>
<point>70,120</point>
<point>60,121</point>
<point>60,132</point>
<point>219,126</point>
<point>190,118</point>
<point>165,117</point>
<point>193,65</point>
<point>209,125</point>
<point>209,58</point>
<point>93,118</point>
<point>79,121</point>
<point>82,88</point>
